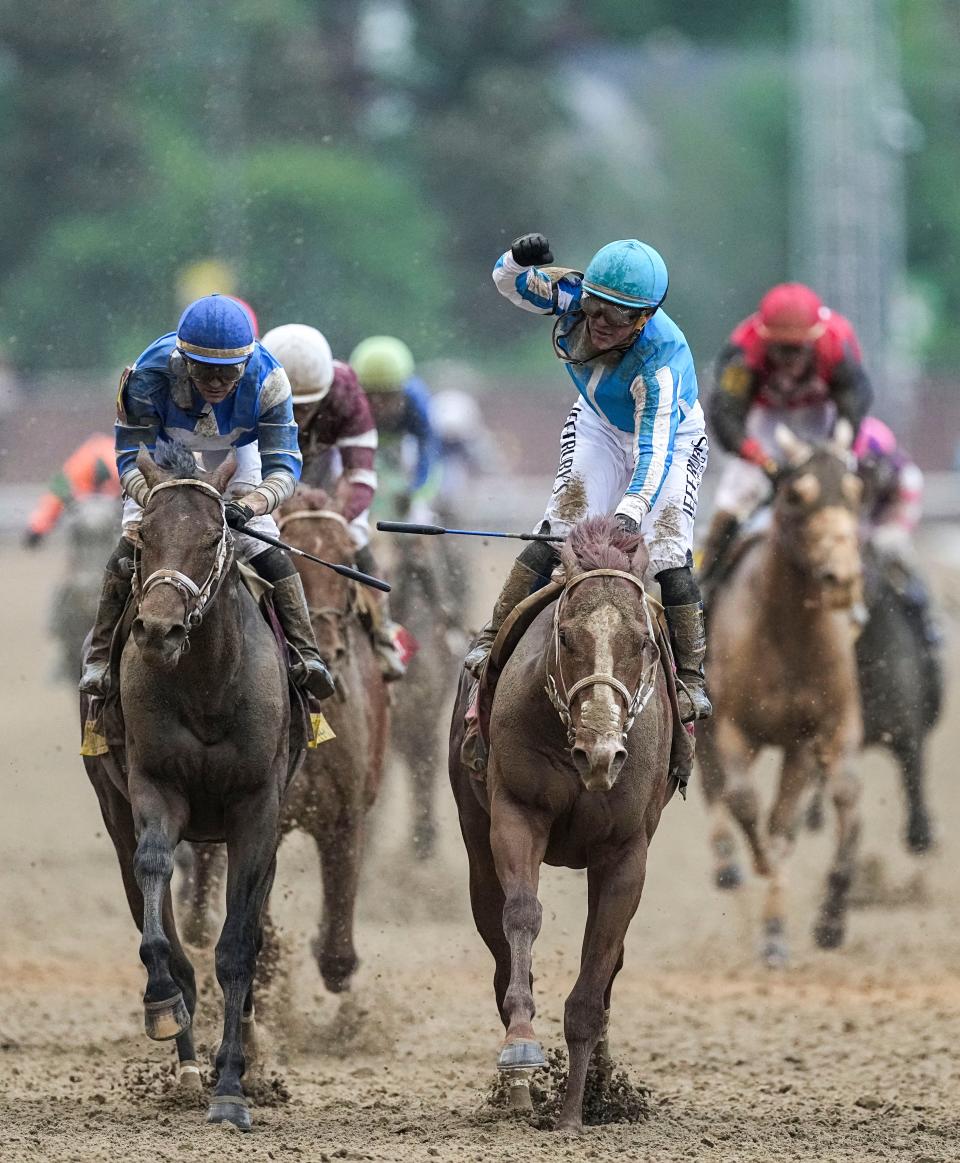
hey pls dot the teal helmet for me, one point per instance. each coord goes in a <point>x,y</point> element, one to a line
<point>629,273</point>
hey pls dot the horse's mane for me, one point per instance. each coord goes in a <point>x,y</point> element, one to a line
<point>175,458</point>
<point>311,498</point>
<point>600,543</point>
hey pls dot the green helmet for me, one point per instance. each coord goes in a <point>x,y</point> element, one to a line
<point>627,272</point>
<point>382,363</point>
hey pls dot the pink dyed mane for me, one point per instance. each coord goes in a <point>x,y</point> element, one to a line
<point>600,543</point>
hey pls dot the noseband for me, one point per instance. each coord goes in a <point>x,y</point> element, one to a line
<point>562,697</point>
<point>195,598</point>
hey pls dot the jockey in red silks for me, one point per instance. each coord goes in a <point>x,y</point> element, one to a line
<point>338,441</point>
<point>893,503</point>
<point>793,362</point>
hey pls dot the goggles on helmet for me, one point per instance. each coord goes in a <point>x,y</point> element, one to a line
<point>593,306</point>
<point>228,373</point>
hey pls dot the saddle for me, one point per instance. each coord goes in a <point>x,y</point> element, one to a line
<point>476,736</point>
<point>104,731</point>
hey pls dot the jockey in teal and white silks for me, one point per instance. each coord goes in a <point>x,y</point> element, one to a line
<point>634,443</point>
<point>211,386</point>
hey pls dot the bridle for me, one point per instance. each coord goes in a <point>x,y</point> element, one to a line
<point>334,613</point>
<point>196,598</point>
<point>562,697</point>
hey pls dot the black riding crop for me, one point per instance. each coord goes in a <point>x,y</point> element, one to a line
<point>434,530</point>
<point>365,579</point>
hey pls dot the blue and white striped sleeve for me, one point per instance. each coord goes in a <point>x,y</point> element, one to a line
<point>657,415</point>
<point>277,439</point>
<point>533,289</point>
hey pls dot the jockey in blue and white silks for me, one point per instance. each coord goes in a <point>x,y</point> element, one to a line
<point>634,443</point>
<point>211,386</point>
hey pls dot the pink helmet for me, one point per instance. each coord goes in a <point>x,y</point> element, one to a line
<point>874,439</point>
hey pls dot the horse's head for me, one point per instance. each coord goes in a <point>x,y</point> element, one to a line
<point>816,511</point>
<point>184,549</point>
<point>310,521</point>
<point>602,667</point>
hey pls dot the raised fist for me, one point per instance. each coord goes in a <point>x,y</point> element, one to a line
<point>530,249</point>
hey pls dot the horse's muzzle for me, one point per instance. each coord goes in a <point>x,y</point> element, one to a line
<point>161,643</point>
<point>599,763</point>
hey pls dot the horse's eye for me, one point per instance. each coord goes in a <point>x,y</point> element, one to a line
<point>562,637</point>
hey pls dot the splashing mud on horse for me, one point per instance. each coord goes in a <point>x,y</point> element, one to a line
<point>578,774</point>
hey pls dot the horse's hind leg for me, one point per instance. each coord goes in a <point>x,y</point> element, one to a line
<point>165,1011</point>
<point>781,832</point>
<point>615,890</point>
<point>202,867</point>
<point>252,838</point>
<point>909,753</point>
<point>735,753</point>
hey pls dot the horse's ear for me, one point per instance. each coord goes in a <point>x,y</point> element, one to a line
<point>220,477</point>
<point>152,474</point>
<point>843,433</point>
<point>795,450</point>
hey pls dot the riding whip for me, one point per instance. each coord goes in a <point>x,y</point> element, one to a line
<point>434,530</point>
<point>365,579</point>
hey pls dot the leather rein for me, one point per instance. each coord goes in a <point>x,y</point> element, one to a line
<point>562,696</point>
<point>196,598</point>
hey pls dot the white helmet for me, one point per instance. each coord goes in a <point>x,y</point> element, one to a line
<point>306,358</point>
<point>455,415</point>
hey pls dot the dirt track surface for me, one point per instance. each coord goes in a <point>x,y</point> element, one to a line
<point>846,1056</point>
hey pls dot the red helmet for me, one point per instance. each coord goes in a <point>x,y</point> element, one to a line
<point>791,313</point>
<point>250,312</point>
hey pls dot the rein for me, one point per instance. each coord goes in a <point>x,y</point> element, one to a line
<point>196,598</point>
<point>561,697</point>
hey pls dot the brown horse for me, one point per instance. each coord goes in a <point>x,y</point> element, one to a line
<point>339,780</point>
<point>782,669</point>
<point>578,774</point>
<point>207,717</point>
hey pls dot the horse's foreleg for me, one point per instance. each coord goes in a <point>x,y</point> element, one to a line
<point>727,873</point>
<point>736,753</point>
<point>252,838</point>
<point>844,784</point>
<point>795,776</point>
<point>165,1012</point>
<point>340,853</point>
<point>518,841</point>
<point>615,890</point>
<point>920,835</point>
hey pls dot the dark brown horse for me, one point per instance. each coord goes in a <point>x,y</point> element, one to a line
<point>339,780</point>
<point>782,669</point>
<point>578,774</point>
<point>207,716</point>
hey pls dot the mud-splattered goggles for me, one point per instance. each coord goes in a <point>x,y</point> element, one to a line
<point>592,306</point>
<point>227,373</point>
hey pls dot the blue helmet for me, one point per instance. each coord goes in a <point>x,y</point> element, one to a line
<point>215,329</point>
<point>627,272</point>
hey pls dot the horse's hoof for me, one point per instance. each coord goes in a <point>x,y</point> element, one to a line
<point>814,816</point>
<point>166,1019</point>
<point>521,1054</point>
<point>569,1126</point>
<point>188,1078</point>
<point>775,953</point>
<point>828,934</point>
<point>519,1091</point>
<point>728,877</point>
<point>920,837</point>
<point>227,1108</point>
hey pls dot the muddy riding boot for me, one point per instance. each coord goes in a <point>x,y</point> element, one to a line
<point>95,680</point>
<point>720,536</point>
<point>384,631</point>
<point>524,577</point>
<point>310,671</point>
<point>688,639</point>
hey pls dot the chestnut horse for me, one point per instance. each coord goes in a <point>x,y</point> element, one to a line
<point>782,670</point>
<point>578,774</point>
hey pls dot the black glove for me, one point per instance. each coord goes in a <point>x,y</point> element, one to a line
<point>237,514</point>
<point>627,524</point>
<point>31,539</point>
<point>530,249</point>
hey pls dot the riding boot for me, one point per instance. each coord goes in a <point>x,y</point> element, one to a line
<point>309,671</point>
<point>521,582</point>
<point>723,529</point>
<point>95,680</point>
<point>384,632</point>
<point>688,639</point>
